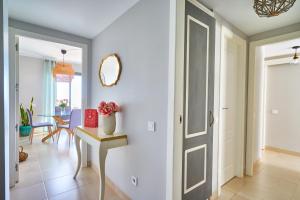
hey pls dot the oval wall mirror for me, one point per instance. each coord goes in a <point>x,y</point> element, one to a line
<point>110,70</point>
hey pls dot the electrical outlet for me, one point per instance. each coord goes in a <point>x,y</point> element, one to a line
<point>151,126</point>
<point>134,180</point>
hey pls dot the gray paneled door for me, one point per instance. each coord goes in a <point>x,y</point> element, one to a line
<point>198,114</point>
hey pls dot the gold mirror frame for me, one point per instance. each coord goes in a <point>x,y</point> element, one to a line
<point>119,73</point>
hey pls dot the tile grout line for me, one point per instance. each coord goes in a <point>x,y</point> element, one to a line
<point>44,186</point>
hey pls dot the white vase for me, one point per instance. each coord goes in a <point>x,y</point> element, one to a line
<point>108,123</point>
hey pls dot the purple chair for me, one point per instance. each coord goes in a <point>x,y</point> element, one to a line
<point>66,115</point>
<point>57,111</point>
<point>75,120</point>
<point>37,125</point>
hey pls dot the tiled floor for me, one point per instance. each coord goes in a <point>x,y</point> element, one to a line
<point>277,177</point>
<point>48,174</point>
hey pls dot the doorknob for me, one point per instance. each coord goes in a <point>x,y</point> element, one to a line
<point>211,119</point>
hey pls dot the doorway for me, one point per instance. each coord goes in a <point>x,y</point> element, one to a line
<point>81,99</point>
<point>256,100</point>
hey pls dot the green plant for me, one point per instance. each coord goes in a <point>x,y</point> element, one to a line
<point>63,103</point>
<point>24,116</point>
<point>31,106</point>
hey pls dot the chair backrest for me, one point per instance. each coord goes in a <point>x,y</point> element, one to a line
<point>57,111</point>
<point>75,119</point>
<point>68,110</point>
<point>29,114</point>
<point>67,113</point>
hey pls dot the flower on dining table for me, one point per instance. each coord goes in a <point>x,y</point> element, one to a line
<point>107,109</point>
<point>63,103</point>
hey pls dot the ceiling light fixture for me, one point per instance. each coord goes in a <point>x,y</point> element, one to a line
<point>295,57</point>
<point>62,71</point>
<point>271,8</point>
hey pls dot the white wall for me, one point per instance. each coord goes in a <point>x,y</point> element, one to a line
<point>140,37</point>
<point>283,129</point>
<point>31,82</point>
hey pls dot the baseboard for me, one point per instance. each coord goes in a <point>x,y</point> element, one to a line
<point>110,184</point>
<point>279,150</point>
<point>214,196</point>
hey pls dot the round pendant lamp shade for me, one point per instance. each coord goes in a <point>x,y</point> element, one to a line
<point>270,8</point>
<point>63,72</point>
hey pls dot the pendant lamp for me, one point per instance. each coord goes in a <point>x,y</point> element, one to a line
<point>63,72</point>
<point>295,57</point>
<point>271,8</point>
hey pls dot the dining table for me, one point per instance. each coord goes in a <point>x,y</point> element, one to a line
<point>60,119</point>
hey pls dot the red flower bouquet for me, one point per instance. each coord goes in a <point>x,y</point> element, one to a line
<point>106,109</point>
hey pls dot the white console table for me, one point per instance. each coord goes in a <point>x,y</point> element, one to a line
<point>96,138</point>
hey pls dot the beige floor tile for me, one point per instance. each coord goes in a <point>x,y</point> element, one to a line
<point>276,177</point>
<point>226,195</point>
<point>235,185</point>
<point>48,174</point>
<point>34,192</point>
<point>75,194</point>
<point>29,179</point>
<point>240,197</point>
<point>55,172</point>
<point>61,185</point>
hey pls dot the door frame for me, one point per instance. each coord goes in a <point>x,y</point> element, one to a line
<point>176,97</point>
<point>242,80</point>
<point>13,34</point>
<point>253,111</point>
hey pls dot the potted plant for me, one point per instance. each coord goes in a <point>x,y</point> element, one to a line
<point>107,118</point>
<point>25,127</point>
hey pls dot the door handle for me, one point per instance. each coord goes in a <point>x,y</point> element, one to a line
<point>211,119</point>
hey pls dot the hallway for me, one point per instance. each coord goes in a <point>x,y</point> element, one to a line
<point>48,174</point>
<point>277,177</point>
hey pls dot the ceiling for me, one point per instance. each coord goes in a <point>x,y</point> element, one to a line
<point>89,17</point>
<point>45,49</point>
<point>242,15</point>
<point>281,48</point>
<point>85,18</point>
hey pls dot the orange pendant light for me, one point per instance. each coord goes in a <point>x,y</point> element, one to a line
<point>63,72</point>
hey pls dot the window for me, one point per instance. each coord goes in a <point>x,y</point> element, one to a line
<point>76,92</point>
<point>70,91</point>
<point>62,91</point>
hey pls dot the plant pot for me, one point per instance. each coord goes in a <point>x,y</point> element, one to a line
<point>25,131</point>
<point>108,123</point>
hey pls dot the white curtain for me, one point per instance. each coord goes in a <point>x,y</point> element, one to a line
<point>49,88</point>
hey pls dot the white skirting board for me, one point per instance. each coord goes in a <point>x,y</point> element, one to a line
<point>110,184</point>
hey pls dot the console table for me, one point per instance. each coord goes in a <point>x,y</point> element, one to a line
<point>96,138</point>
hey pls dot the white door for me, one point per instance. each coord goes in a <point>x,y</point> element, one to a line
<point>231,107</point>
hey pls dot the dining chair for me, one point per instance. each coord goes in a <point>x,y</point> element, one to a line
<point>75,120</point>
<point>57,110</point>
<point>65,115</point>
<point>35,125</point>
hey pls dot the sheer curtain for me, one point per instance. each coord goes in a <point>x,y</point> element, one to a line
<point>49,88</point>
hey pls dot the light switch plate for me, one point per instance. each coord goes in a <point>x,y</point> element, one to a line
<point>151,126</point>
